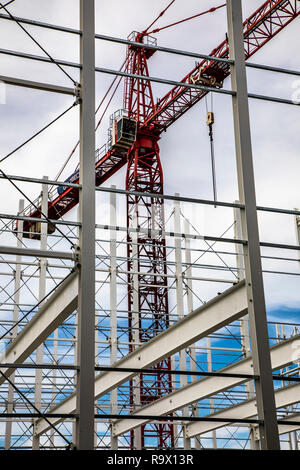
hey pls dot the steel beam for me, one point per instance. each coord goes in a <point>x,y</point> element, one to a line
<point>283,429</point>
<point>283,397</point>
<point>57,308</point>
<point>149,46</point>
<point>220,311</point>
<point>169,197</point>
<point>86,280</point>
<point>18,251</point>
<point>37,85</point>
<point>164,81</point>
<point>281,356</point>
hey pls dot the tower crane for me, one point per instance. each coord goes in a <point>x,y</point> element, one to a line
<point>135,134</point>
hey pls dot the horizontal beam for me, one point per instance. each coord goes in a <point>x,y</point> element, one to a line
<point>210,317</point>
<point>282,429</point>
<point>37,85</point>
<point>38,219</point>
<point>23,55</point>
<point>169,50</point>
<point>168,197</point>
<point>163,81</point>
<point>55,310</point>
<point>125,42</point>
<point>283,397</point>
<point>281,355</point>
<point>10,250</point>
<point>29,179</point>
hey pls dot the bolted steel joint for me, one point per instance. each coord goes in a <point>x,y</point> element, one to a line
<point>78,93</point>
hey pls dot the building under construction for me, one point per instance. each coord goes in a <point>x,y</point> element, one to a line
<point>149,281</point>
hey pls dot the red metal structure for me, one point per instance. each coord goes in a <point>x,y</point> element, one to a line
<point>144,174</point>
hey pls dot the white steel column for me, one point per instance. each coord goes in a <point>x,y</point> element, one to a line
<point>253,271</point>
<point>190,308</point>
<point>113,309</point>
<point>211,400</point>
<point>180,304</point>
<point>54,381</point>
<point>297,227</point>
<point>74,426</point>
<point>135,325</point>
<point>10,397</point>
<point>245,330</point>
<point>42,293</point>
<point>86,284</point>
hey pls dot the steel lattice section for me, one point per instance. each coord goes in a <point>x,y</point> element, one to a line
<point>144,174</point>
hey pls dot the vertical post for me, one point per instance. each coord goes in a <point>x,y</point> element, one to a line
<point>10,397</point>
<point>297,227</point>
<point>190,308</point>
<point>244,322</point>
<point>211,400</point>
<point>253,271</point>
<point>179,303</point>
<point>86,282</point>
<point>135,322</point>
<point>113,309</point>
<point>74,424</point>
<point>54,382</point>
<point>42,293</point>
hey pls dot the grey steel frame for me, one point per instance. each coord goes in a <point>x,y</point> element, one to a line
<point>85,368</point>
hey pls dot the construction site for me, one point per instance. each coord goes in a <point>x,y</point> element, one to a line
<point>149,225</point>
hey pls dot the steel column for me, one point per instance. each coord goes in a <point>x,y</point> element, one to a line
<point>180,304</point>
<point>10,397</point>
<point>253,270</point>
<point>190,307</point>
<point>86,284</point>
<point>135,395</point>
<point>42,293</point>
<point>113,309</point>
<point>211,399</point>
<point>54,382</point>
<point>297,227</point>
<point>245,331</point>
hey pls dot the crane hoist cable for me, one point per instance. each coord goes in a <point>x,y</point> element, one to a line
<point>210,120</point>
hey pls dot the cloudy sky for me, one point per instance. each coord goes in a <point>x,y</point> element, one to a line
<point>185,147</point>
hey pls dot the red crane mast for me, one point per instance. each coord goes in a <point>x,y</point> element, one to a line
<point>144,174</point>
